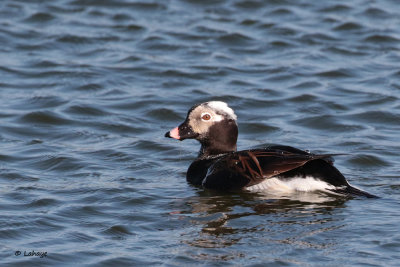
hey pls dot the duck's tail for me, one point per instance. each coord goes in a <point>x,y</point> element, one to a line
<point>326,172</point>
<point>353,191</point>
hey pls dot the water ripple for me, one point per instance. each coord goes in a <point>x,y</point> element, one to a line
<point>44,117</point>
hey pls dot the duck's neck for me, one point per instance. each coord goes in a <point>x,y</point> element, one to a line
<point>220,140</point>
<point>206,151</point>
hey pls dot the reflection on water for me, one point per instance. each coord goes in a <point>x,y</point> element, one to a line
<point>243,220</point>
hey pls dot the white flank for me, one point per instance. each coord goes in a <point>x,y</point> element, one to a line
<point>222,106</point>
<point>294,184</point>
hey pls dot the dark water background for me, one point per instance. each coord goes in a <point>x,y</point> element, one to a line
<point>89,87</point>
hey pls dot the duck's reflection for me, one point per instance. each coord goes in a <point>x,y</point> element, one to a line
<point>225,220</point>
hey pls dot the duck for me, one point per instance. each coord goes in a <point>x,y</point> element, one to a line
<point>271,168</point>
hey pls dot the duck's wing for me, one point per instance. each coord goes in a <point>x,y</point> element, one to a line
<point>258,165</point>
<point>250,167</point>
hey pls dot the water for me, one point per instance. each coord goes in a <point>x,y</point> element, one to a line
<point>88,89</point>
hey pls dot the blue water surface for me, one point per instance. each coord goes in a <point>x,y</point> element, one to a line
<point>88,88</point>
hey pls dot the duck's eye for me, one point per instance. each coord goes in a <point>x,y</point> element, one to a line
<point>205,117</point>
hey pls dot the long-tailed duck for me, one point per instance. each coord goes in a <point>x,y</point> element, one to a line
<point>272,168</point>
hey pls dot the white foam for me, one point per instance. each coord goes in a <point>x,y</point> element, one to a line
<point>222,106</point>
<point>307,184</point>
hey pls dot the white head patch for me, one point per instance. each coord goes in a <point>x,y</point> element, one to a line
<point>222,107</point>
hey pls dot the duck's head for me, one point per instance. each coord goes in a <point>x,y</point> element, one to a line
<point>213,124</point>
